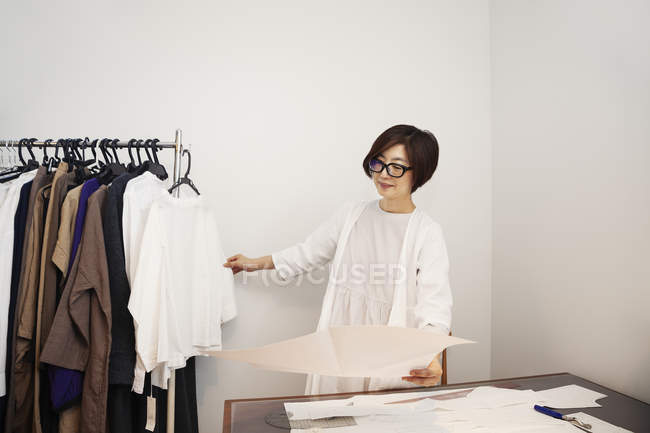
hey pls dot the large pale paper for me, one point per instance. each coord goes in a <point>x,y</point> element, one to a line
<point>349,351</point>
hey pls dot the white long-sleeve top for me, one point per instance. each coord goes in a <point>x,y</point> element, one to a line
<point>180,293</point>
<point>139,194</point>
<point>418,294</point>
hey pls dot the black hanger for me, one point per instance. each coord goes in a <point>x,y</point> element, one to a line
<point>137,151</point>
<point>114,143</point>
<point>185,180</point>
<point>83,162</point>
<point>154,150</point>
<point>56,150</point>
<point>46,158</point>
<point>131,167</point>
<point>20,151</point>
<point>32,164</point>
<point>155,167</point>
<point>113,168</point>
<point>147,142</point>
<point>102,149</point>
<point>29,142</point>
<point>67,152</point>
<point>97,166</point>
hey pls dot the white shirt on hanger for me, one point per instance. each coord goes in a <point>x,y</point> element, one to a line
<point>9,197</point>
<point>139,194</point>
<point>180,293</point>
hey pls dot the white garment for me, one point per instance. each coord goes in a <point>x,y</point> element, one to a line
<point>9,197</point>
<point>420,298</point>
<point>139,194</point>
<point>180,294</point>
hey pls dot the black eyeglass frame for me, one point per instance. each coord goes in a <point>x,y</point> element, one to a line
<point>385,166</point>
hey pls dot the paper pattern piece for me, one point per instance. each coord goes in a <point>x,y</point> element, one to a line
<point>363,405</point>
<point>569,396</point>
<point>489,397</point>
<point>598,425</point>
<point>349,351</point>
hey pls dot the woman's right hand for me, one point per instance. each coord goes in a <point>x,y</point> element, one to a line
<point>240,262</point>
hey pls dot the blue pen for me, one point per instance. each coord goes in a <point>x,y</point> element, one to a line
<point>558,415</point>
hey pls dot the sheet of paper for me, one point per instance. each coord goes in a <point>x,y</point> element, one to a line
<point>349,351</point>
<point>296,411</point>
<point>515,418</point>
<point>490,397</point>
<point>598,425</point>
<point>306,409</point>
<point>569,396</point>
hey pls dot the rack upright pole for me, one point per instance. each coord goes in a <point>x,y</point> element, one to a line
<point>171,388</point>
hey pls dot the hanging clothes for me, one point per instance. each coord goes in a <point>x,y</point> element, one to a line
<point>20,219</point>
<point>85,307</point>
<point>421,299</point>
<point>66,270</point>
<point>138,196</point>
<point>47,295</point>
<point>15,410</point>
<point>9,197</point>
<point>66,383</point>
<point>121,402</point>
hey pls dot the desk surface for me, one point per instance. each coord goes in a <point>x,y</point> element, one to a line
<point>247,415</point>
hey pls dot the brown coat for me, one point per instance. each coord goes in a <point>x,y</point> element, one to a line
<point>46,299</point>
<point>80,337</point>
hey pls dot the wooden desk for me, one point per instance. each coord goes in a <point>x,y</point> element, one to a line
<point>247,415</point>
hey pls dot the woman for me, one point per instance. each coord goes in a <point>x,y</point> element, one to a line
<point>389,259</point>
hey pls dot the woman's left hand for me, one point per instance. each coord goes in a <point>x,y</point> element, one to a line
<point>429,376</point>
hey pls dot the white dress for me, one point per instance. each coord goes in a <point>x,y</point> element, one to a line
<point>364,294</point>
<point>368,248</point>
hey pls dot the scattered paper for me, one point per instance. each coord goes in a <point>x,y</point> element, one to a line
<point>328,411</point>
<point>489,397</point>
<point>569,396</point>
<point>363,404</point>
<point>598,425</point>
<point>349,351</point>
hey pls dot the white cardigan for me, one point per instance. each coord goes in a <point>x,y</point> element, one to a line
<point>422,298</point>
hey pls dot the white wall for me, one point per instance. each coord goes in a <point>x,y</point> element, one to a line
<point>280,101</point>
<point>571,138</point>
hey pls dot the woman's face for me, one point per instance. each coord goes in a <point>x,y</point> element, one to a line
<point>393,187</point>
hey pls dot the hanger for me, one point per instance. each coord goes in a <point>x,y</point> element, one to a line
<point>85,143</point>
<point>185,180</point>
<point>155,167</point>
<point>137,151</point>
<point>131,167</point>
<point>114,168</point>
<point>46,159</point>
<point>32,164</point>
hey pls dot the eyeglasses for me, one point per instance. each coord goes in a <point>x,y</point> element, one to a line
<point>393,169</point>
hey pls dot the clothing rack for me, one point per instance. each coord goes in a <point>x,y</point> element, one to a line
<point>177,145</point>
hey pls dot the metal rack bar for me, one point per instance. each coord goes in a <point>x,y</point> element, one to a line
<point>119,145</point>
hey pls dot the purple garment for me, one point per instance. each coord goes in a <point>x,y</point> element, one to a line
<point>65,384</point>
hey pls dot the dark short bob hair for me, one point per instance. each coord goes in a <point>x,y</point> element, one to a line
<point>421,148</point>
